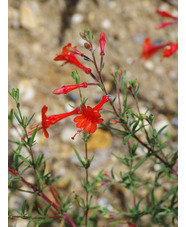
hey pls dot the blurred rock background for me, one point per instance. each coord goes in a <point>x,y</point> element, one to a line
<point>38,29</point>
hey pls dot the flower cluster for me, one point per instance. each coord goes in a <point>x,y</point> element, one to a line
<point>166,14</point>
<point>88,118</point>
<point>149,49</point>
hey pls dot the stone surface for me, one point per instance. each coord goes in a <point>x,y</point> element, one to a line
<point>100,140</point>
<point>28,17</point>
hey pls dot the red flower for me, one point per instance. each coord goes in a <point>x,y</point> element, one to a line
<point>47,121</point>
<point>170,51</point>
<point>165,14</point>
<point>149,50</point>
<point>68,88</point>
<point>68,57</point>
<point>90,117</point>
<point>102,42</point>
<point>163,25</point>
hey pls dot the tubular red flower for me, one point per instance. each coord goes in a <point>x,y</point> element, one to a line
<point>172,49</point>
<point>68,57</point>
<point>148,50</point>
<point>47,121</point>
<point>104,99</point>
<point>163,25</point>
<point>90,117</point>
<point>166,14</point>
<point>74,50</point>
<point>102,42</point>
<point>67,88</point>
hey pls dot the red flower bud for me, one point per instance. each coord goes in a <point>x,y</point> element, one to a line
<point>67,88</point>
<point>163,25</point>
<point>165,14</point>
<point>102,42</point>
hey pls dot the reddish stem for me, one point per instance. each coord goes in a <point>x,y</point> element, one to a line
<point>43,196</point>
<point>157,156</point>
<point>16,216</point>
<point>53,194</point>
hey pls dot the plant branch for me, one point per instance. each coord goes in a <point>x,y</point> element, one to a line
<point>39,193</point>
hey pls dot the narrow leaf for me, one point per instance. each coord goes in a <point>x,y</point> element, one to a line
<point>18,119</point>
<point>126,139</point>
<point>23,207</point>
<point>79,158</point>
<point>139,164</point>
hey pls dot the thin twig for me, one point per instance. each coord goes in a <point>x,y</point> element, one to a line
<point>53,194</point>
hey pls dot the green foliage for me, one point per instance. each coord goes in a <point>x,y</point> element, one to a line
<point>137,132</point>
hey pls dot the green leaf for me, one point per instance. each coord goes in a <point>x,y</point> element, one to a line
<point>31,139</point>
<point>112,173</point>
<point>16,157</point>
<point>40,212</point>
<point>170,192</point>
<point>139,164</point>
<point>135,126</point>
<point>100,174</point>
<point>114,99</point>
<point>46,209</point>
<point>116,223</point>
<point>79,158</point>
<point>100,85</point>
<point>11,116</point>
<point>161,130</point>
<point>30,119</point>
<point>118,132</point>
<point>88,162</point>
<point>126,139</point>
<point>23,207</point>
<point>31,205</point>
<point>152,197</point>
<point>102,67</point>
<point>125,103</point>
<point>116,74</point>
<point>15,95</point>
<point>23,158</point>
<point>121,85</point>
<point>18,118</point>
<point>137,206</point>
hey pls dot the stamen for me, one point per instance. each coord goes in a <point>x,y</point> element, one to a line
<point>79,131</point>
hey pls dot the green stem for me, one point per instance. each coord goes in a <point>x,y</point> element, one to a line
<point>119,99</point>
<point>30,149</point>
<point>87,193</point>
<point>136,100</point>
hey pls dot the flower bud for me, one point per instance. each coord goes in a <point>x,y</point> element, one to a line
<point>102,42</point>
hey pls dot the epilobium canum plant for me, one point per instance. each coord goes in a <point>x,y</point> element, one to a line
<point>81,209</point>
